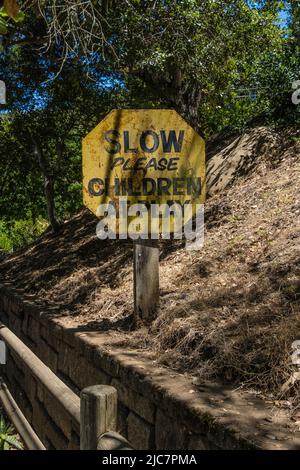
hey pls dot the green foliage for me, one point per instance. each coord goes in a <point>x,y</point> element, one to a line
<point>8,439</point>
<point>59,128</point>
<point>10,10</point>
<point>220,64</point>
<point>16,233</point>
<point>5,241</point>
<point>3,27</point>
<point>190,49</point>
<point>264,95</point>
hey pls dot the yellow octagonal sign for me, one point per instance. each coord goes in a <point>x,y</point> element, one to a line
<point>145,156</point>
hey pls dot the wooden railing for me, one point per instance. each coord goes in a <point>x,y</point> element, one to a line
<point>95,411</point>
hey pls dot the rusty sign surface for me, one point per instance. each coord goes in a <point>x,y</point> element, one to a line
<point>149,156</point>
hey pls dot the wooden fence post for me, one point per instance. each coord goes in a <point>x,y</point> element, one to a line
<point>146,280</point>
<point>98,414</point>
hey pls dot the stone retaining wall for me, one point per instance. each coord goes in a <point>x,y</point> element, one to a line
<point>157,409</point>
<point>47,403</point>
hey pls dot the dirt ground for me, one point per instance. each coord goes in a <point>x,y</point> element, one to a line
<point>230,311</point>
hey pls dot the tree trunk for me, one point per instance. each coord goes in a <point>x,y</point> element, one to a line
<point>185,98</point>
<point>48,186</point>
<point>183,95</point>
<point>187,104</point>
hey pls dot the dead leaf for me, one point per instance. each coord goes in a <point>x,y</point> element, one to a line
<point>11,7</point>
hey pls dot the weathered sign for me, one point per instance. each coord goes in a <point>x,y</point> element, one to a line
<point>147,156</point>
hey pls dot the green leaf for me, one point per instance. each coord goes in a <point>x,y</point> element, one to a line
<point>3,26</point>
<point>19,17</point>
<point>12,441</point>
<point>3,13</point>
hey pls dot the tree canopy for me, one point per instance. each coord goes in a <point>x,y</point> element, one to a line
<point>220,64</point>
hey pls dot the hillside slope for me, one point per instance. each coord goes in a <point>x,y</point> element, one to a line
<point>230,311</point>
